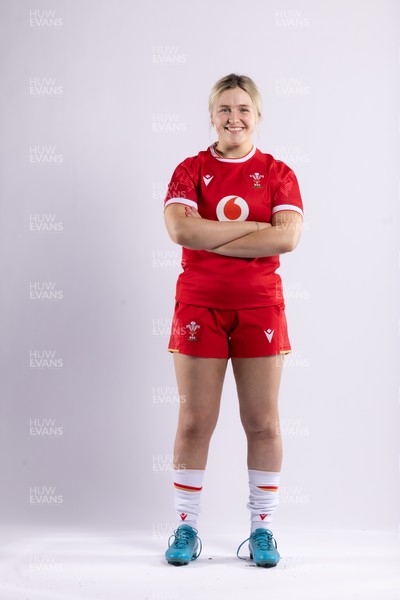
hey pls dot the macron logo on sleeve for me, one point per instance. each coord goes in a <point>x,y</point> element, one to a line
<point>207,178</point>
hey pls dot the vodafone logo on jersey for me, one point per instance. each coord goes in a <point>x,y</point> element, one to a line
<point>232,208</point>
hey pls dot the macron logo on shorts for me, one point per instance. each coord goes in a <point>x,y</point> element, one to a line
<point>270,334</point>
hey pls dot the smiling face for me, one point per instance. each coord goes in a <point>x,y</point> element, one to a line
<point>235,119</point>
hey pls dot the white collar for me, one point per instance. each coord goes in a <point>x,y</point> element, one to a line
<point>232,160</point>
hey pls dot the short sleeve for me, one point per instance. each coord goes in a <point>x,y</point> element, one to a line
<point>181,188</point>
<point>285,190</point>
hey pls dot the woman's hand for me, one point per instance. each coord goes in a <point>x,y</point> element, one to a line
<point>263,225</point>
<point>192,212</point>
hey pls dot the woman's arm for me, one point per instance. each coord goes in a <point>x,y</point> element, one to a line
<point>204,234</point>
<point>282,237</point>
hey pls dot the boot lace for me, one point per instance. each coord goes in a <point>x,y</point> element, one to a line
<point>262,539</point>
<point>183,537</point>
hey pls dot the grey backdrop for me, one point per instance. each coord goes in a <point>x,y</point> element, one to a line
<point>99,102</point>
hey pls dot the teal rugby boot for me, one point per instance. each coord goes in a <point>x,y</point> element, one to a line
<point>263,548</point>
<point>186,546</point>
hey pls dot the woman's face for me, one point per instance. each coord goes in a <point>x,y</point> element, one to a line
<point>235,118</point>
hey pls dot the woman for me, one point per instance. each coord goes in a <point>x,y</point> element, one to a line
<point>234,210</point>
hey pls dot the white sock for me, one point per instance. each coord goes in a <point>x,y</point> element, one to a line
<point>263,499</point>
<point>188,484</point>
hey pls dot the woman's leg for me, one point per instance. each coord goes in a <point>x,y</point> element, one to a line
<point>200,383</point>
<point>257,381</point>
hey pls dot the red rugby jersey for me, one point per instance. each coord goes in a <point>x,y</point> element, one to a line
<point>253,188</point>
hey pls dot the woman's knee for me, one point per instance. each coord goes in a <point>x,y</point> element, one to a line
<point>261,427</point>
<point>193,428</point>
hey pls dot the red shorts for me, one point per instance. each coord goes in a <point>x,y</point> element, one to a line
<point>217,333</point>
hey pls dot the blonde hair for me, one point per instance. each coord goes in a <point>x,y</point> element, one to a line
<point>230,82</point>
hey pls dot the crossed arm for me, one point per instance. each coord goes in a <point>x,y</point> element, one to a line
<point>242,239</point>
